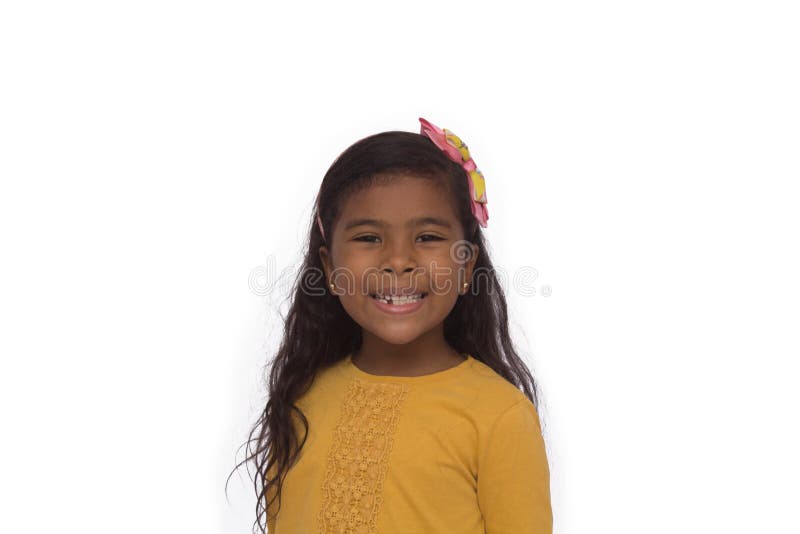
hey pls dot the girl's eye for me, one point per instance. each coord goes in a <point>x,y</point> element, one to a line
<point>367,238</point>
<point>434,237</point>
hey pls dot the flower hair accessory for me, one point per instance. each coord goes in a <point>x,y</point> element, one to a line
<point>455,149</point>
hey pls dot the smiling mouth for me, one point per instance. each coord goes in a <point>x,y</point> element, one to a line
<point>388,299</point>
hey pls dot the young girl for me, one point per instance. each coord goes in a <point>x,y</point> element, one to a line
<point>397,403</point>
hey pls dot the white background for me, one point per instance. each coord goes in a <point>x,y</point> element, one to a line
<point>641,156</point>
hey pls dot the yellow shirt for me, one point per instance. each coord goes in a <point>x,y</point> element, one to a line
<point>458,451</point>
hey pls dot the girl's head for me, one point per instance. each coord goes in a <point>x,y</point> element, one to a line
<point>397,218</point>
<point>394,214</point>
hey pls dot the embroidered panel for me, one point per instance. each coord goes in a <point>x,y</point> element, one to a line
<point>358,459</point>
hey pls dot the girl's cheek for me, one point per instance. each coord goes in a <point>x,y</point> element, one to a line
<point>445,282</point>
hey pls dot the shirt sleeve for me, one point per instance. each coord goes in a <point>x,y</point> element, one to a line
<point>514,476</point>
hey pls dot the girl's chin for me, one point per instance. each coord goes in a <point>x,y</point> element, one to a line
<point>397,331</point>
<point>396,338</point>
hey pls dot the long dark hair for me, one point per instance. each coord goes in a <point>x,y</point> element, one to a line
<point>318,332</point>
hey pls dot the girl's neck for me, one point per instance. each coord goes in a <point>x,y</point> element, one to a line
<point>427,354</point>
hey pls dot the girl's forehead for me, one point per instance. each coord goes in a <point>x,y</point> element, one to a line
<point>413,191</point>
<point>400,200</point>
<point>399,203</point>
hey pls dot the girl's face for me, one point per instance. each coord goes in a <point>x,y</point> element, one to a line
<point>403,236</point>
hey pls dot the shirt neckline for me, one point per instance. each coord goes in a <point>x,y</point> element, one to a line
<point>431,377</point>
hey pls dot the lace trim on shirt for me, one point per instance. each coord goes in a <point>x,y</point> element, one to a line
<point>359,457</point>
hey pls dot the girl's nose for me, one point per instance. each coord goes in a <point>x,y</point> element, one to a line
<point>399,265</point>
<point>399,258</point>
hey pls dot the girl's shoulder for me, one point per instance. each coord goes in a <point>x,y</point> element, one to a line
<point>325,383</point>
<point>495,394</point>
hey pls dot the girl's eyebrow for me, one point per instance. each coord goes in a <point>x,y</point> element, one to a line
<point>419,221</point>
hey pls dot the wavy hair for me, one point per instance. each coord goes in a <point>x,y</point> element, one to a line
<point>318,332</point>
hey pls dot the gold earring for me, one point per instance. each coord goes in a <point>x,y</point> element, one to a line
<point>332,287</point>
<point>465,287</point>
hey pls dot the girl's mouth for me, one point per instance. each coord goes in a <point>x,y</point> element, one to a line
<point>398,304</point>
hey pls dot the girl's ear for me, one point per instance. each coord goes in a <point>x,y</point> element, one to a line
<point>470,265</point>
<point>324,257</point>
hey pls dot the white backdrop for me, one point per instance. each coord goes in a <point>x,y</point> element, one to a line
<point>641,157</point>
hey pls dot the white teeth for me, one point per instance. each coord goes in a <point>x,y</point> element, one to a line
<point>398,299</point>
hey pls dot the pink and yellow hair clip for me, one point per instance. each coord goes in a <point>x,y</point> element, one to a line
<point>457,151</point>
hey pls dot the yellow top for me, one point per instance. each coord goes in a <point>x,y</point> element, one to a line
<point>457,451</point>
